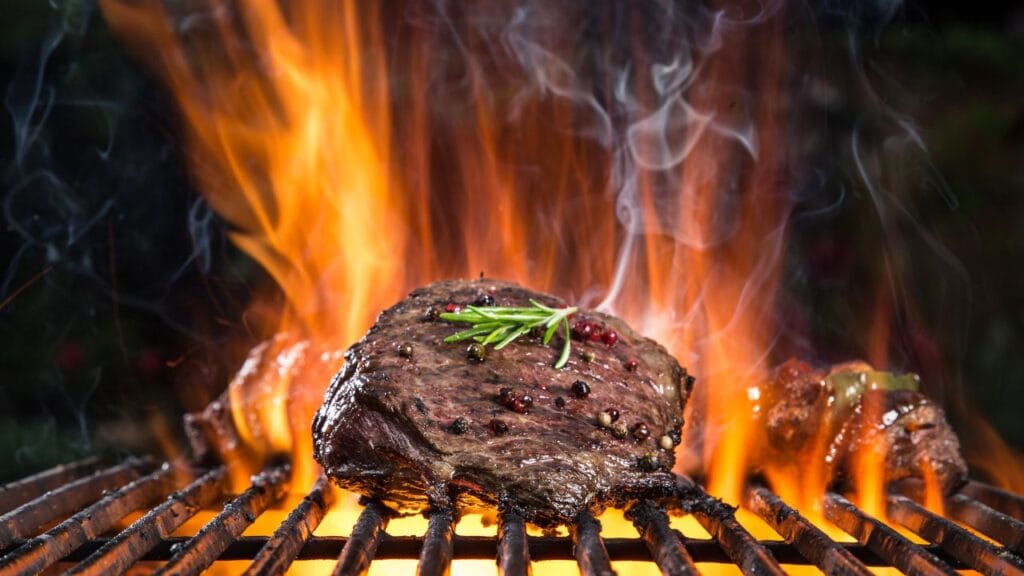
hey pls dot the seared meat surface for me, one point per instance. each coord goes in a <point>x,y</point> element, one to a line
<point>414,420</point>
<point>840,414</point>
<point>906,429</point>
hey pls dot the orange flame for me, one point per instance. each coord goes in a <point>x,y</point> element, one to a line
<point>869,462</point>
<point>321,137</point>
<point>292,139</point>
<point>990,455</point>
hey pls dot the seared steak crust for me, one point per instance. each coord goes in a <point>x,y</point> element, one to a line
<point>909,432</point>
<point>805,419</point>
<point>413,420</point>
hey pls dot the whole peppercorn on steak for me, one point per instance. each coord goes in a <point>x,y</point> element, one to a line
<point>416,418</point>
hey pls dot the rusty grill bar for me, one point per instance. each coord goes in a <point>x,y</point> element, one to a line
<point>63,516</point>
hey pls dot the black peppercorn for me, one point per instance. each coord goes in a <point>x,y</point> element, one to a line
<point>432,313</point>
<point>405,350</point>
<point>632,364</point>
<point>641,431</point>
<point>613,413</point>
<point>485,300</point>
<point>458,426</point>
<point>559,402</point>
<point>580,389</point>
<point>688,382</point>
<point>498,427</point>
<point>506,397</point>
<point>476,352</point>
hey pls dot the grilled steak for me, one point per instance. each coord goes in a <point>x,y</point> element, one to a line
<point>841,413</point>
<point>413,420</point>
<point>909,431</point>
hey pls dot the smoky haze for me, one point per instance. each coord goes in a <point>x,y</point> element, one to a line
<point>121,295</point>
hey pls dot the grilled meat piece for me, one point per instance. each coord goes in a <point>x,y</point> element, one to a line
<point>906,429</point>
<point>796,408</point>
<point>281,381</point>
<point>411,419</point>
<point>840,414</point>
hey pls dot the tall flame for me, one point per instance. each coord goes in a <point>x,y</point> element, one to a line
<point>294,139</point>
<point>354,162</point>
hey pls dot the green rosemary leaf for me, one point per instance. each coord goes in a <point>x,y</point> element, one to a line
<point>475,330</point>
<point>485,313</point>
<point>508,339</point>
<point>542,307</point>
<point>503,325</point>
<point>463,317</point>
<point>564,358</point>
<point>496,334</point>
<point>550,332</point>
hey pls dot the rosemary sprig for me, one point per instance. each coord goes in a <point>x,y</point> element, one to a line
<point>500,326</point>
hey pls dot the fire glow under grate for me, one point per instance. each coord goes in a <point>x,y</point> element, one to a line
<point>82,503</point>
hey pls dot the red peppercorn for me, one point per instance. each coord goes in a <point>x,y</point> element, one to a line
<point>641,431</point>
<point>632,365</point>
<point>522,404</point>
<point>452,307</point>
<point>596,332</point>
<point>582,330</point>
<point>610,337</point>
<point>613,412</point>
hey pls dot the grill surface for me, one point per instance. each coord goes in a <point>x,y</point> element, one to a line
<point>65,515</point>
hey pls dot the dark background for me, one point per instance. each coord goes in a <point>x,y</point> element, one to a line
<point>122,304</point>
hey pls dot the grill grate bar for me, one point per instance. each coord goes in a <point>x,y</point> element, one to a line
<point>361,547</point>
<point>664,543</point>
<point>960,543</point>
<point>291,536</point>
<point>1004,529</point>
<point>485,548</point>
<point>21,491</point>
<point>589,548</point>
<point>720,521</point>
<point>1006,502</point>
<point>807,538</point>
<point>513,548</point>
<point>437,552</point>
<point>121,489</point>
<point>128,547</point>
<point>881,539</point>
<point>25,520</point>
<point>206,546</point>
<point>45,550</point>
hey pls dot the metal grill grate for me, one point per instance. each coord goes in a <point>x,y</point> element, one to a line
<point>79,504</point>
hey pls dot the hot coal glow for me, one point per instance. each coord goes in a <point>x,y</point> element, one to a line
<point>647,164</point>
